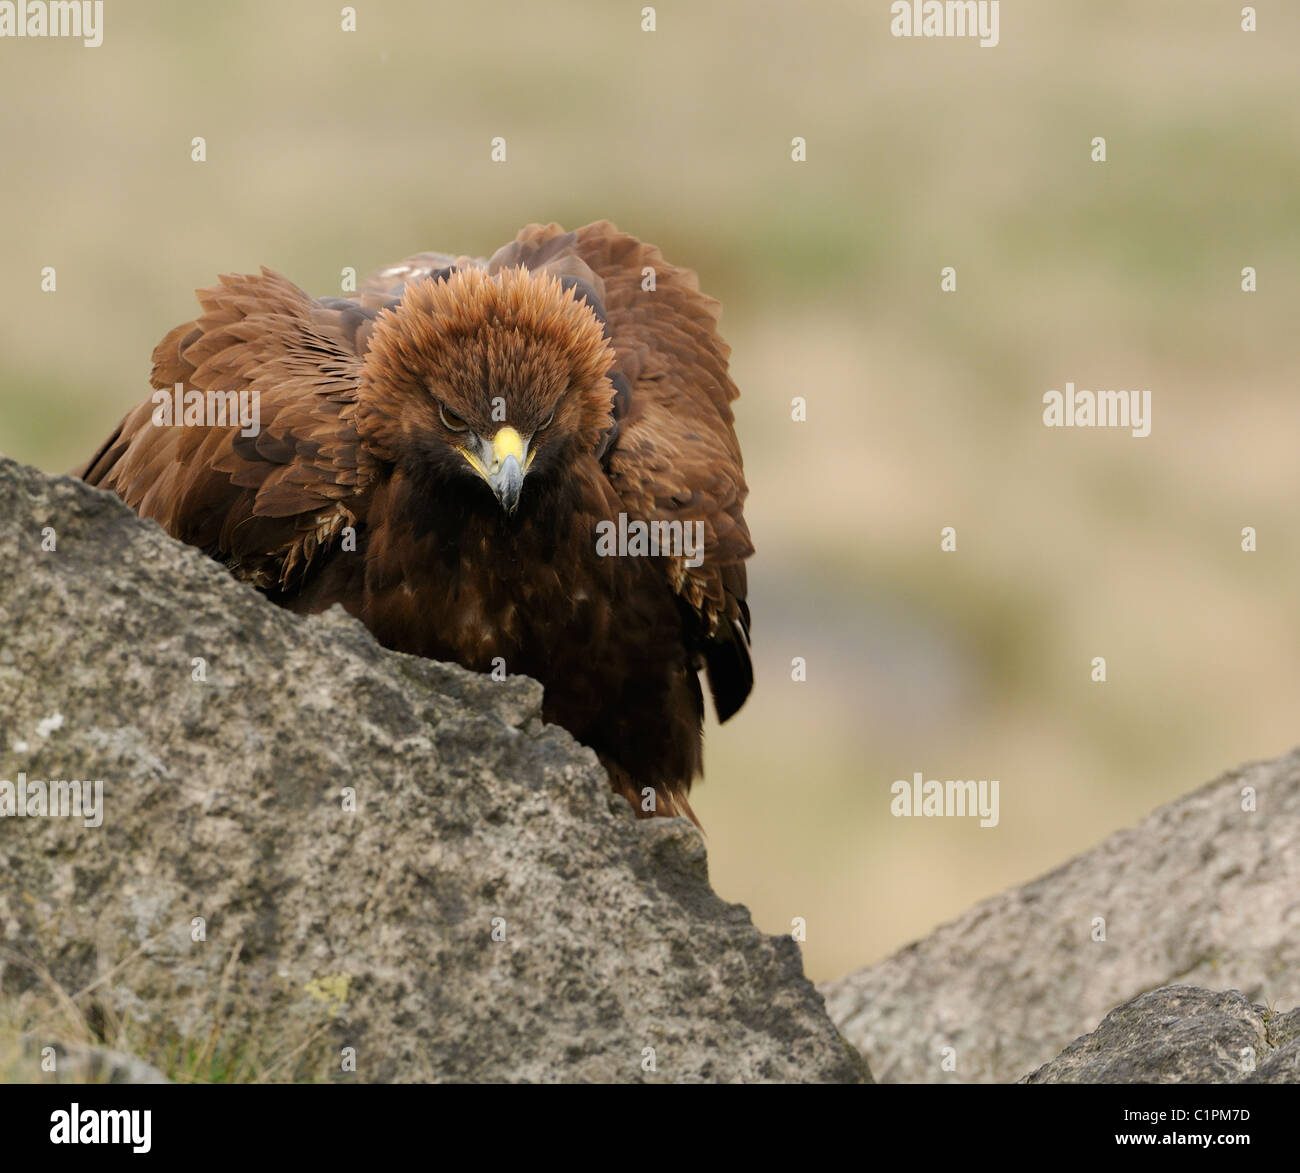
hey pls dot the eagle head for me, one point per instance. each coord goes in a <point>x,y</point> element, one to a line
<point>481,378</point>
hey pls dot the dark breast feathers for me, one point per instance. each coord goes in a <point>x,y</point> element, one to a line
<point>525,464</point>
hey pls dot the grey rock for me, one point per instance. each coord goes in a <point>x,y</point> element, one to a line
<point>489,912</point>
<point>1181,1034</point>
<point>1202,892</point>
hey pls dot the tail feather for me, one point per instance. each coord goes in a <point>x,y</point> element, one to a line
<point>669,804</point>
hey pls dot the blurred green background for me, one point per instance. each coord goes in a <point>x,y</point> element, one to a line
<point>328,149</point>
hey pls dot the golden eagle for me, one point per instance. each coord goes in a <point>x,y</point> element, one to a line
<point>497,462</point>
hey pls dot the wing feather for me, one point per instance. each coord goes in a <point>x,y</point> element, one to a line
<point>265,503</point>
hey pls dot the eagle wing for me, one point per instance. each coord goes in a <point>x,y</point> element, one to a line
<point>264,503</point>
<point>674,455</point>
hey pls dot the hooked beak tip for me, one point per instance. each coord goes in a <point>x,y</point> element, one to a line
<point>508,483</point>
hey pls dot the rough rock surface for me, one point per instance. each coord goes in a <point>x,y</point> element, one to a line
<point>1202,892</point>
<point>488,912</point>
<point>1181,1034</point>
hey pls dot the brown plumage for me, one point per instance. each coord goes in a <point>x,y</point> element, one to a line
<point>437,454</point>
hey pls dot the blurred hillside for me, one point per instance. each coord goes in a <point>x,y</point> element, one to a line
<point>329,149</point>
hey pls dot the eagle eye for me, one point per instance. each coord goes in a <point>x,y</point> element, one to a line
<point>451,420</point>
<point>546,423</point>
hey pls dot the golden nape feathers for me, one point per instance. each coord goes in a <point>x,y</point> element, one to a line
<point>524,463</point>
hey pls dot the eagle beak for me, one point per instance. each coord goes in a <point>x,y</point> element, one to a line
<point>502,463</point>
<point>505,468</point>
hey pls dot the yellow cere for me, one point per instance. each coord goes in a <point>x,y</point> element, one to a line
<point>507,442</point>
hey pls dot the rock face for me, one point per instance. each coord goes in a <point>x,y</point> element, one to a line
<point>1205,891</point>
<point>488,911</point>
<point>1181,1034</point>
